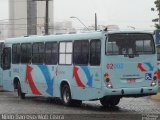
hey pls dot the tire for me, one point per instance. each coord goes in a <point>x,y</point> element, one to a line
<point>66,95</point>
<point>109,101</point>
<point>114,101</point>
<point>19,91</point>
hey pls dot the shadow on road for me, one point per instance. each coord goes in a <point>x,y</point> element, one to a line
<point>91,106</point>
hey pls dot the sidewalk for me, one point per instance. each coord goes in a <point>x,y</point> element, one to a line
<point>156,97</point>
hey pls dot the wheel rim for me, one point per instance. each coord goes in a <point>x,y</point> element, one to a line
<point>66,95</point>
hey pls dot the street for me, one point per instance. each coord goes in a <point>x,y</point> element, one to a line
<point>128,108</point>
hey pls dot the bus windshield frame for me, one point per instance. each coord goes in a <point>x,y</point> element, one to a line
<point>130,44</point>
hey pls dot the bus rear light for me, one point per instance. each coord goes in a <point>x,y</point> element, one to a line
<point>107,80</point>
<point>108,83</point>
<point>155,78</point>
<point>153,83</point>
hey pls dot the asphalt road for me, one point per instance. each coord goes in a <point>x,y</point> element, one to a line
<point>128,109</point>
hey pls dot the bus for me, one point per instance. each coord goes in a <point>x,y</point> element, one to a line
<point>100,65</point>
<point>1,49</point>
<point>157,38</point>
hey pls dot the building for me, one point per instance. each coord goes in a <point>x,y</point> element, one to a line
<point>64,27</point>
<point>4,30</point>
<point>27,17</point>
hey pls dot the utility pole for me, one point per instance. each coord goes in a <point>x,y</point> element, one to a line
<point>46,21</point>
<point>95,22</point>
<point>46,16</point>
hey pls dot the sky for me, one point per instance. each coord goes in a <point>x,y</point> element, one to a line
<point>124,13</point>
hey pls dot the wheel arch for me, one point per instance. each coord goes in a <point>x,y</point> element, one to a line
<point>15,82</point>
<point>65,82</point>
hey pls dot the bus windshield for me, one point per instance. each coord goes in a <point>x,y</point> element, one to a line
<point>130,43</point>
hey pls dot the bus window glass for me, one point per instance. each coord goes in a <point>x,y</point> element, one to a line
<point>51,54</point>
<point>38,53</point>
<point>69,47</point>
<point>26,49</point>
<point>95,52</point>
<point>62,59</point>
<point>158,52</point>
<point>81,52</point>
<point>65,53</point>
<point>130,43</point>
<point>112,48</point>
<point>62,47</point>
<point>68,58</point>
<point>16,53</point>
<point>147,45</point>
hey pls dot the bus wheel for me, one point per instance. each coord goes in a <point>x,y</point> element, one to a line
<point>66,95</point>
<point>109,101</point>
<point>114,101</point>
<point>19,91</point>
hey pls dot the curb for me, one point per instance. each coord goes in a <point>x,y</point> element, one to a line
<point>156,97</point>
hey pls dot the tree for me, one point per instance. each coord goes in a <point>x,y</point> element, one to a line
<point>157,3</point>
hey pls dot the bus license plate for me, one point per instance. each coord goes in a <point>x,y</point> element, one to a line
<point>132,80</point>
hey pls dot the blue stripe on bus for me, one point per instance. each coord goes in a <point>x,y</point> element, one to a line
<point>48,79</point>
<point>88,75</point>
<point>150,66</point>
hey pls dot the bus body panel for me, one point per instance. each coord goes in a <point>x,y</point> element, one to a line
<point>129,75</point>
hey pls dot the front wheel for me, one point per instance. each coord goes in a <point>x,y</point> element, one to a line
<point>19,91</point>
<point>110,101</point>
<point>67,98</point>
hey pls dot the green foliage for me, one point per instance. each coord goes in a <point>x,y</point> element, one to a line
<point>157,3</point>
<point>157,26</point>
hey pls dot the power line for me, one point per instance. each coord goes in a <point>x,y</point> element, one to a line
<point>21,19</point>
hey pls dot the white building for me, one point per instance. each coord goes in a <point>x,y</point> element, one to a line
<point>63,27</point>
<point>29,14</point>
<point>4,30</point>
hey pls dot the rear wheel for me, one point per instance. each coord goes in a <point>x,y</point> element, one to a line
<point>19,91</point>
<point>66,97</point>
<point>110,101</point>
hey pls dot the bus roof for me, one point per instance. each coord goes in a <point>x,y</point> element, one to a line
<point>130,31</point>
<point>66,37</point>
<point>62,37</point>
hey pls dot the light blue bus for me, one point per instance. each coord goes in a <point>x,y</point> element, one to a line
<point>102,65</point>
<point>1,71</point>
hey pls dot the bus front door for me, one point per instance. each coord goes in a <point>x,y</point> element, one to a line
<point>6,66</point>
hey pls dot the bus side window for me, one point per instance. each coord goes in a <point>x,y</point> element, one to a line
<point>95,52</point>
<point>26,49</point>
<point>51,53</point>
<point>65,53</point>
<point>6,58</point>
<point>81,52</point>
<point>38,53</point>
<point>16,51</point>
